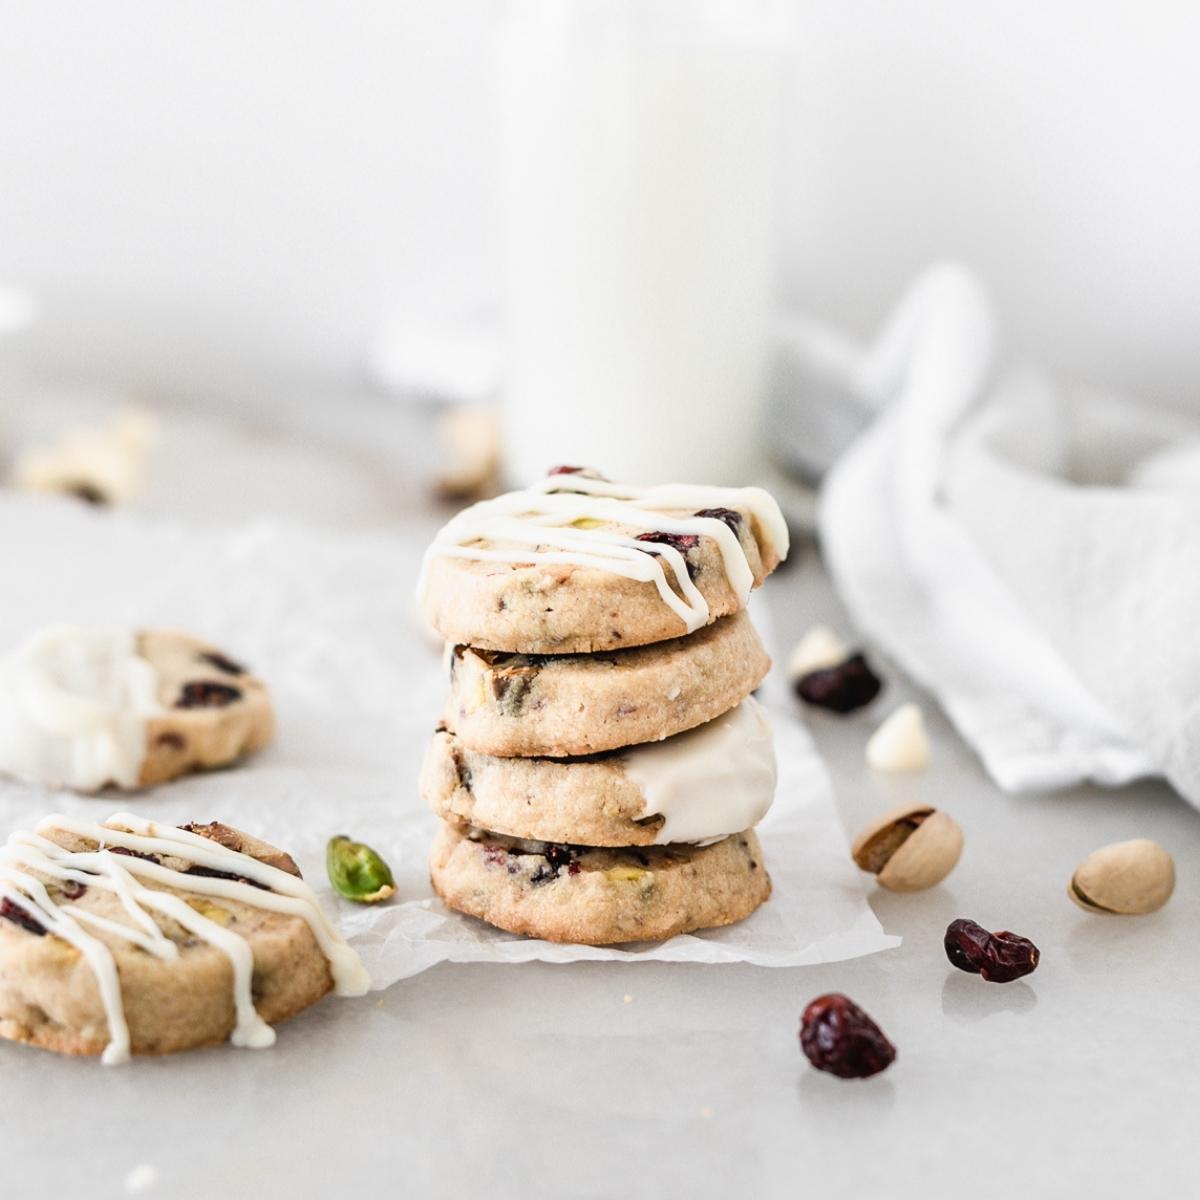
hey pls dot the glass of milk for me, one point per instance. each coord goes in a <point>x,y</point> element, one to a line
<point>638,148</point>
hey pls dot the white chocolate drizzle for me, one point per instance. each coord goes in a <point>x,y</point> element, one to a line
<point>550,513</point>
<point>27,857</point>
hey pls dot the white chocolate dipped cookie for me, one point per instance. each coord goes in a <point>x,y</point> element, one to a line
<point>598,896</point>
<point>561,705</point>
<point>696,787</point>
<point>578,564</point>
<point>88,709</point>
<point>133,938</point>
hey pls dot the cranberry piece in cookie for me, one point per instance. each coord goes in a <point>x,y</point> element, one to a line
<point>683,542</point>
<point>13,912</point>
<point>203,694</point>
<point>730,516</point>
<point>215,659</point>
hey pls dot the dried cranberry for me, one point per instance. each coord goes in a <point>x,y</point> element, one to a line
<point>560,856</point>
<point>683,542</point>
<point>202,694</point>
<point>21,916</point>
<point>213,873</point>
<point>495,856</point>
<point>557,857</point>
<point>73,889</point>
<point>997,957</point>
<point>843,688</point>
<point>134,854</point>
<point>89,494</point>
<point>222,663</point>
<point>730,516</point>
<point>838,1037</point>
<point>565,470</point>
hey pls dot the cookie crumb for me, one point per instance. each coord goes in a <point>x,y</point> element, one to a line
<point>708,1113</point>
<point>141,1179</point>
<point>379,1002</point>
<point>628,998</point>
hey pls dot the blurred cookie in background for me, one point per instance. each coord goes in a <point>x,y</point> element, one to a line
<point>103,464</point>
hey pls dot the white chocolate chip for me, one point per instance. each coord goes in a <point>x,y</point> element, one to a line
<point>820,647</point>
<point>141,1179</point>
<point>900,743</point>
<point>673,694</point>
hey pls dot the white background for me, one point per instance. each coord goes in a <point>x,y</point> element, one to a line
<point>229,198</point>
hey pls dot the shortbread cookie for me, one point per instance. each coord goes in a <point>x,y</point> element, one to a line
<point>576,564</point>
<point>696,787</point>
<point>164,940</point>
<point>215,710</point>
<point>577,894</point>
<point>559,705</point>
<point>87,709</point>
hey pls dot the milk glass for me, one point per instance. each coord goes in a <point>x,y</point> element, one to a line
<point>638,148</point>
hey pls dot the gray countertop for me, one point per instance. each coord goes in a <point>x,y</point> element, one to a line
<point>653,1079</point>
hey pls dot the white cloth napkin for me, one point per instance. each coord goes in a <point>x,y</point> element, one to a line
<point>1029,554</point>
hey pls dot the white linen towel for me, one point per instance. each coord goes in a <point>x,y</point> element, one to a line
<point>1031,555</point>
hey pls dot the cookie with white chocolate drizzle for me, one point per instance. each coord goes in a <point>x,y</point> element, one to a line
<point>579,564</point>
<point>129,937</point>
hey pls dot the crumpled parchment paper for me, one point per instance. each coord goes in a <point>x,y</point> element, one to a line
<point>327,620</point>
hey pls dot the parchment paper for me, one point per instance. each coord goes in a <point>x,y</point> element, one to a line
<point>327,620</point>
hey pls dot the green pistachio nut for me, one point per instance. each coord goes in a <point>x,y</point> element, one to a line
<point>357,872</point>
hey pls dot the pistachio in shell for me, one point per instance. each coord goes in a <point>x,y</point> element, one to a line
<point>1128,878</point>
<point>357,872</point>
<point>913,847</point>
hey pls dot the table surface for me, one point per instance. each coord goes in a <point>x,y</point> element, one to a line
<point>653,1079</point>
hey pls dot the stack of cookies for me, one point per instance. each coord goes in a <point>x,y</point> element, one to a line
<point>601,763</point>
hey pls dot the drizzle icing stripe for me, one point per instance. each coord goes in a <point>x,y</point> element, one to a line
<point>542,516</point>
<point>100,868</point>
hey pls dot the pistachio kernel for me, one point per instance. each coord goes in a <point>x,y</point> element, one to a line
<point>1127,878</point>
<point>911,848</point>
<point>357,872</point>
<point>210,911</point>
<point>625,874</point>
